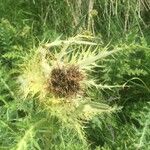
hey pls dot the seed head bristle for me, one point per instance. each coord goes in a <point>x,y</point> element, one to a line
<point>65,82</point>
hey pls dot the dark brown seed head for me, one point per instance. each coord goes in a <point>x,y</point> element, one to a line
<point>65,82</point>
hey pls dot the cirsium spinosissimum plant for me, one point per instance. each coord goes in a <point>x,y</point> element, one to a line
<point>60,74</point>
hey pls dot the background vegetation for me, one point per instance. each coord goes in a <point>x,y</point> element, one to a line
<point>115,23</point>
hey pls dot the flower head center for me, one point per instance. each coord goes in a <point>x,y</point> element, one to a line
<point>65,82</point>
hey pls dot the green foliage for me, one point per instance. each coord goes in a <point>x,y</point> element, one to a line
<point>120,79</point>
<point>13,41</point>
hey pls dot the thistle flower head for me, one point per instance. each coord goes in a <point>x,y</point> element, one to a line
<point>60,72</point>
